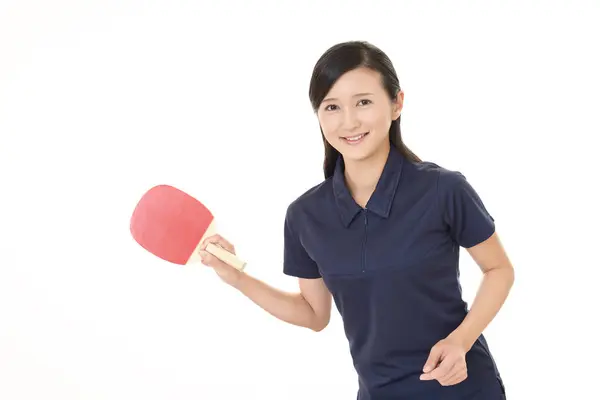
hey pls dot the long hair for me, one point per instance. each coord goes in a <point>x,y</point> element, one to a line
<point>342,58</point>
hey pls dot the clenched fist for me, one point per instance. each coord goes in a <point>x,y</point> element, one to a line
<point>226,272</point>
<point>446,363</point>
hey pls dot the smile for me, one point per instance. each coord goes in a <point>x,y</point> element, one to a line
<point>355,139</point>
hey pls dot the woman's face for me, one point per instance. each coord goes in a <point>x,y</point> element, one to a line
<point>356,114</point>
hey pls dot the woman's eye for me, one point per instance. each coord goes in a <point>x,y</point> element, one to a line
<point>364,102</point>
<point>330,107</point>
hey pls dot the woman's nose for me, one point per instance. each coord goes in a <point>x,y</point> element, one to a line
<point>351,121</point>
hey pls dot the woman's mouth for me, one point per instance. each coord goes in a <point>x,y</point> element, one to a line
<point>355,139</point>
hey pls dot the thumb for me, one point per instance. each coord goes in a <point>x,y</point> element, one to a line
<point>433,359</point>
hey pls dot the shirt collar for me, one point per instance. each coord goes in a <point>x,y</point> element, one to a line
<point>382,198</point>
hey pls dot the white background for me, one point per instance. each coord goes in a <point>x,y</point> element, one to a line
<point>100,100</point>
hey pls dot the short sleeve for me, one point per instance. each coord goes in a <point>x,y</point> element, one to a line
<point>467,219</point>
<point>296,261</point>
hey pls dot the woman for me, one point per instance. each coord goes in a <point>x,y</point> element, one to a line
<point>381,235</point>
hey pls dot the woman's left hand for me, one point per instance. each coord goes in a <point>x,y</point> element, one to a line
<point>446,363</point>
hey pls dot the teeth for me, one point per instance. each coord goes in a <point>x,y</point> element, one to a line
<point>354,138</point>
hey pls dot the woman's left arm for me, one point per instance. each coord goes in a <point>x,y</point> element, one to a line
<point>446,362</point>
<point>498,278</point>
<point>471,227</point>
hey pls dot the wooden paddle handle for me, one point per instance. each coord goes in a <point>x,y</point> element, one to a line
<point>226,256</point>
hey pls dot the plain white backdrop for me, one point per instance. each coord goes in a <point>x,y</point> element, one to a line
<point>100,100</point>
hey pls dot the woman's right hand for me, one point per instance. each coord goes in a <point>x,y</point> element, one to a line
<point>226,272</point>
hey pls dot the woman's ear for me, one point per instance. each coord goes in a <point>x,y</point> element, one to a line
<point>397,105</point>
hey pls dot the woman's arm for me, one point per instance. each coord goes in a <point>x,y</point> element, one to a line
<point>498,278</point>
<point>446,361</point>
<point>309,308</point>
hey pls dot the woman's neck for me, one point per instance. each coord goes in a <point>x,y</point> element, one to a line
<point>362,175</point>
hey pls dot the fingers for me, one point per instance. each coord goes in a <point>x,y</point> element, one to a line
<point>450,372</point>
<point>212,261</point>
<point>456,378</point>
<point>446,364</point>
<point>441,371</point>
<point>207,258</point>
<point>219,241</point>
<point>434,358</point>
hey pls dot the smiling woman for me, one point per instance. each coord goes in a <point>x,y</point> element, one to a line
<point>349,118</point>
<point>381,236</point>
<point>356,93</point>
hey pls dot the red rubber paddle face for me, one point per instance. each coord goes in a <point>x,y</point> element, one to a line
<point>169,223</point>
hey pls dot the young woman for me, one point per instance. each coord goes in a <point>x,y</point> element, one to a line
<point>381,236</point>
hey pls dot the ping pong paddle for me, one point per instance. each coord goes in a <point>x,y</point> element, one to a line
<point>172,225</point>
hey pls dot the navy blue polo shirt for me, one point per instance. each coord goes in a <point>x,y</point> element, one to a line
<point>392,269</point>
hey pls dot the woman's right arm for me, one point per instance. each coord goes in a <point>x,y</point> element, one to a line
<point>309,308</point>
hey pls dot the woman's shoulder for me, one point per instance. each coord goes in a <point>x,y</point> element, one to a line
<point>313,196</point>
<point>451,185</point>
<point>439,174</point>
